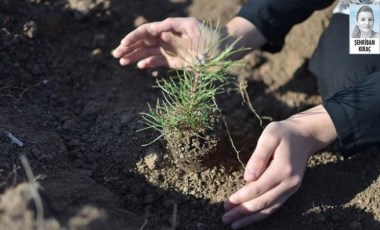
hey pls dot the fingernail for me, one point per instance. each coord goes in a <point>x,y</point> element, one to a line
<point>141,65</point>
<point>124,62</point>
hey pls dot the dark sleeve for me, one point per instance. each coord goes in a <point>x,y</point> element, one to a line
<point>355,113</point>
<point>274,18</point>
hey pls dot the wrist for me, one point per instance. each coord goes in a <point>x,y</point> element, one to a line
<point>318,126</point>
<point>245,32</point>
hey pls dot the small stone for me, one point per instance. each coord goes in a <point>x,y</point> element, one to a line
<point>30,29</point>
<point>84,8</point>
<point>139,20</point>
<point>96,52</point>
<point>81,9</point>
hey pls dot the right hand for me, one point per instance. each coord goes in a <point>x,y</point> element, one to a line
<point>277,166</point>
<point>172,43</point>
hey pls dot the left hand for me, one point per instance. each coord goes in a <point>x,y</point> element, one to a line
<point>277,166</point>
<point>173,43</point>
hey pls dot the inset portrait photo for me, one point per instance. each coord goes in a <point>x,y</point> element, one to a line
<point>364,21</point>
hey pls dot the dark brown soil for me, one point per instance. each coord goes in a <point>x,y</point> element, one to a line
<point>76,111</point>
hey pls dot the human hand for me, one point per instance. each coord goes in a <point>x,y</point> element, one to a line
<point>173,43</point>
<point>277,166</point>
<point>176,42</point>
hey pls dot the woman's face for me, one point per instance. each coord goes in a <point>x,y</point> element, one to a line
<point>365,21</point>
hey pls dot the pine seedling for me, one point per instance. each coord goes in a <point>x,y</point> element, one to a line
<point>188,103</point>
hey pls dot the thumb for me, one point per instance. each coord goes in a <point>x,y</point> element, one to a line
<point>266,146</point>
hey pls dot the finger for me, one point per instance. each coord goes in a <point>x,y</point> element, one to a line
<point>154,61</point>
<point>266,146</point>
<point>122,50</point>
<point>152,30</point>
<point>142,32</point>
<point>273,198</point>
<point>139,54</point>
<point>254,189</point>
<point>256,217</point>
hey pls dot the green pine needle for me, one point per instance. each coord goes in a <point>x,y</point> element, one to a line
<point>188,97</point>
